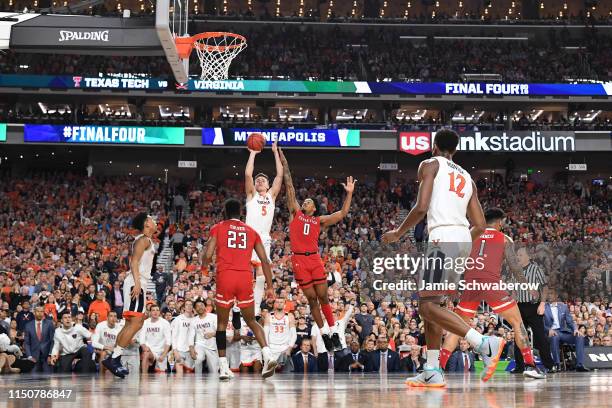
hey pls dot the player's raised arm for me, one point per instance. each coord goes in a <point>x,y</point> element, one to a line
<point>249,183</point>
<point>292,203</point>
<point>475,214</point>
<point>426,175</point>
<point>278,180</point>
<point>265,266</point>
<point>349,187</point>
<point>211,245</point>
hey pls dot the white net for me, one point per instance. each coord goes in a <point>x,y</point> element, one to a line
<point>216,52</point>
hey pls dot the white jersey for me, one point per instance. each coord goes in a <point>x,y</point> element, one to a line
<point>146,261</point>
<point>452,190</point>
<point>279,333</point>
<point>105,336</point>
<point>156,335</point>
<point>181,326</point>
<point>200,327</point>
<point>260,214</point>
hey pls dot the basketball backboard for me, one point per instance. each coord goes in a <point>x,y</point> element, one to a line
<point>171,21</point>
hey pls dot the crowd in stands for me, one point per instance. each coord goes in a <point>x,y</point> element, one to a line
<point>77,114</point>
<point>65,239</point>
<point>468,12</point>
<point>314,53</point>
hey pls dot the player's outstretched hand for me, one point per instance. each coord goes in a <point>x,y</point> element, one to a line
<point>390,237</point>
<point>270,293</point>
<point>254,151</point>
<point>274,147</point>
<point>350,184</point>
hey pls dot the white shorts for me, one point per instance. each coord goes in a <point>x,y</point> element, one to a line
<point>187,361</point>
<point>233,355</point>
<point>279,352</point>
<point>210,356</point>
<point>134,307</point>
<point>160,367</point>
<point>266,240</point>
<point>248,355</point>
<point>446,251</point>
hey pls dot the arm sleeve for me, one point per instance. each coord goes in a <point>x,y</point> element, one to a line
<point>174,330</point>
<point>267,332</point>
<point>95,339</point>
<point>141,334</point>
<point>56,343</point>
<point>168,335</point>
<point>85,333</point>
<point>347,314</point>
<point>292,336</point>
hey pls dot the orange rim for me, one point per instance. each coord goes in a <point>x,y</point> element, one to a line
<point>184,45</point>
<point>217,48</point>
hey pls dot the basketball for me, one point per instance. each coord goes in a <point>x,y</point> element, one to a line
<point>256,142</point>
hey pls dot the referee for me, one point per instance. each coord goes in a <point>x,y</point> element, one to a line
<point>531,305</point>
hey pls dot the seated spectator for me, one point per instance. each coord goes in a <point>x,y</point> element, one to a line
<point>304,361</point>
<point>414,362</point>
<point>561,329</point>
<point>70,352</point>
<point>462,360</point>
<point>383,360</point>
<point>354,361</point>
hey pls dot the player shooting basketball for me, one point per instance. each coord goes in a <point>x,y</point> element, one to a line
<point>308,269</point>
<point>260,200</point>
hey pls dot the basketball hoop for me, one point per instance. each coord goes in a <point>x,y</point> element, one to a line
<point>215,50</point>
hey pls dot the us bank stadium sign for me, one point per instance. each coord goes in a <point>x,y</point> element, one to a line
<point>416,143</point>
<point>343,87</point>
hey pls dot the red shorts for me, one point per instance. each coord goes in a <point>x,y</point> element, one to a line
<point>236,285</point>
<point>308,270</point>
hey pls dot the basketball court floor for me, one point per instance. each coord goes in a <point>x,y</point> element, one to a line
<point>320,390</point>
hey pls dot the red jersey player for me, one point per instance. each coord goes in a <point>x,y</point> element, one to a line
<point>308,269</point>
<point>492,247</point>
<point>234,242</point>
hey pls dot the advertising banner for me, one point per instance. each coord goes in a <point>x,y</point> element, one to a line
<point>284,137</point>
<point>104,134</point>
<point>126,81</point>
<point>2,132</point>
<point>416,143</point>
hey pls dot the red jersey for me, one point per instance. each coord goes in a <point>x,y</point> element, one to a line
<point>235,243</point>
<point>489,247</point>
<point>304,233</point>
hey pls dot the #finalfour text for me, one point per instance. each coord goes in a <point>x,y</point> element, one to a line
<point>413,264</point>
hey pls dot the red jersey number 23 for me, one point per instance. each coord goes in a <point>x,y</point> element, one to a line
<point>236,239</point>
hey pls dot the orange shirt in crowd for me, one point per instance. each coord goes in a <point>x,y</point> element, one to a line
<point>50,310</point>
<point>101,308</point>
